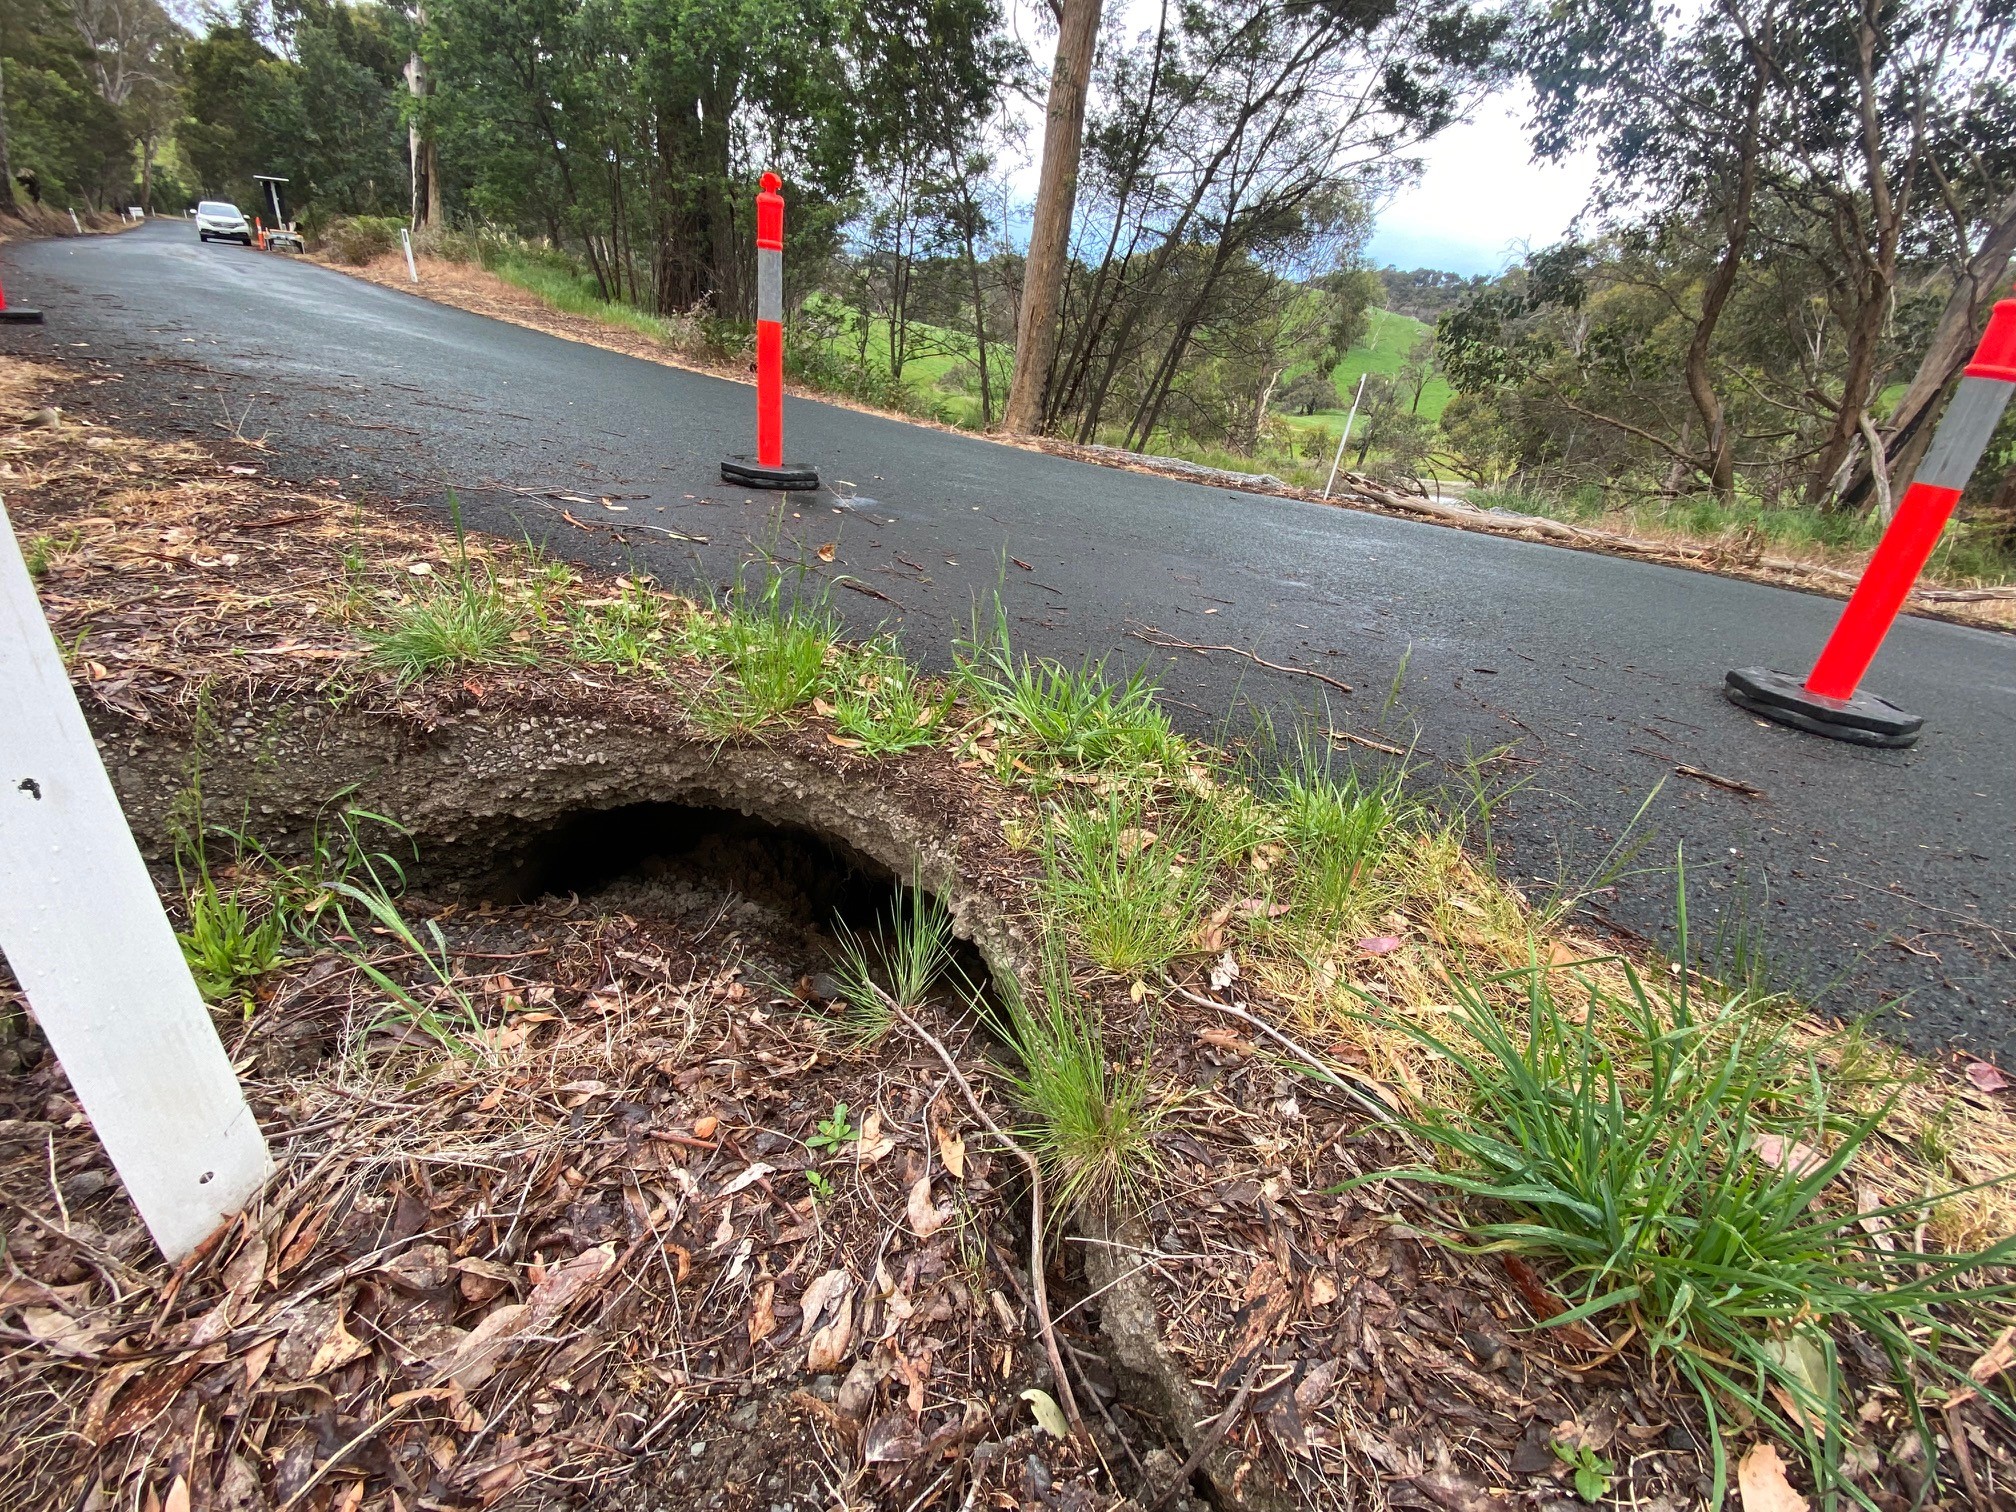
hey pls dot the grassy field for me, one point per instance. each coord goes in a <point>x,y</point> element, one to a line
<point>1382,354</point>
<point>1383,351</point>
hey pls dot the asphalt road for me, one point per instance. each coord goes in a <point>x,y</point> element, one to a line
<point>1883,878</point>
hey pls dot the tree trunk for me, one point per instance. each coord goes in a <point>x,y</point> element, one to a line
<point>1721,454</point>
<point>681,272</point>
<point>731,244</point>
<point>1056,198</point>
<point>424,167</point>
<point>1975,287</point>
<point>969,212</point>
<point>1874,282</point>
<point>6,167</point>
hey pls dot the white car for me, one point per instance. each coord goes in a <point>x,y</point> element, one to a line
<point>220,219</point>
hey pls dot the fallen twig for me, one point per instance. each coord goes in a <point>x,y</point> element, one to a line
<point>874,593</point>
<point>1733,784</point>
<point>1368,742</point>
<point>383,1421</point>
<point>1170,643</point>
<point>1039,1291</point>
<point>1371,1101</point>
<point>1214,1436</point>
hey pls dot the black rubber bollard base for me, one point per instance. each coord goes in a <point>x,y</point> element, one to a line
<point>1864,719</point>
<point>20,317</point>
<point>750,473</point>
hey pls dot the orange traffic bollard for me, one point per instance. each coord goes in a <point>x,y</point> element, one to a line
<point>1830,701</point>
<point>768,469</point>
<point>15,315</point>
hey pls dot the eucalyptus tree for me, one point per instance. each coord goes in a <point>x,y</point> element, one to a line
<point>1857,152</point>
<point>1236,132</point>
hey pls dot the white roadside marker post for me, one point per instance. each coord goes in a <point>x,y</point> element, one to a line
<point>84,932</point>
<point>1345,439</point>
<point>406,241</point>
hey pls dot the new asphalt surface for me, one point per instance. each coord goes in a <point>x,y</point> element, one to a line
<point>1878,879</point>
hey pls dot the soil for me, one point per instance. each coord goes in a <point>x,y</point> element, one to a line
<point>569,1250</point>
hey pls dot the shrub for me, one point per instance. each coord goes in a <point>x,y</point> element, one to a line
<point>356,239</point>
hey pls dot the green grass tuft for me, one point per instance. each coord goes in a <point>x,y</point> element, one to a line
<point>895,968</point>
<point>1132,894</point>
<point>1091,1122</point>
<point>628,631</point>
<point>775,652</point>
<point>1620,1139</point>
<point>1337,830</point>
<point>1073,717</point>
<point>229,943</point>
<point>468,620</point>
<point>886,705</point>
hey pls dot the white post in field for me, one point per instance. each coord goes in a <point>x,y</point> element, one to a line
<point>84,931</point>
<point>406,241</point>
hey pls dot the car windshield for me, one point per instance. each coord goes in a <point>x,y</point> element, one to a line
<point>216,207</point>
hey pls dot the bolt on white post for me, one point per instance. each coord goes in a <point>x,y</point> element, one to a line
<point>83,929</point>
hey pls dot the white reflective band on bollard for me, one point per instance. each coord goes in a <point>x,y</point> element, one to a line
<point>769,284</point>
<point>1964,432</point>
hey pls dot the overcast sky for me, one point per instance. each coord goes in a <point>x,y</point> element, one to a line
<point>1482,200</point>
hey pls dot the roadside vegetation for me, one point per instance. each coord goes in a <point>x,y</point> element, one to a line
<point>1708,1175</point>
<point>1809,1230</point>
<point>1745,345</point>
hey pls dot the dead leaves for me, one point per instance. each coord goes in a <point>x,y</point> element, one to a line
<point>1782,1154</point>
<point>872,1144</point>
<point>1049,1416</point>
<point>58,1331</point>
<point>952,1150</point>
<point>926,1219</point>
<point>475,1357</point>
<point>1760,1477</point>
<point>316,1342</point>
<point>746,1179</point>
<point>830,1297</point>
<point>763,1311</point>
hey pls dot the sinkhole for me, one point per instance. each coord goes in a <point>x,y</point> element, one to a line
<point>785,890</point>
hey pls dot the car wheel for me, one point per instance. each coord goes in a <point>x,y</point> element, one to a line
<point>202,236</point>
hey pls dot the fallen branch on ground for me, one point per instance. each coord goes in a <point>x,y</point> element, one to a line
<point>1372,1101</point>
<point>1733,784</point>
<point>1170,643</point>
<point>1368,742</point>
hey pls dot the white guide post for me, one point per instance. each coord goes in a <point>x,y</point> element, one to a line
<point>406,241</point>
<point>83,929</point>
<point>1345,439</point>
